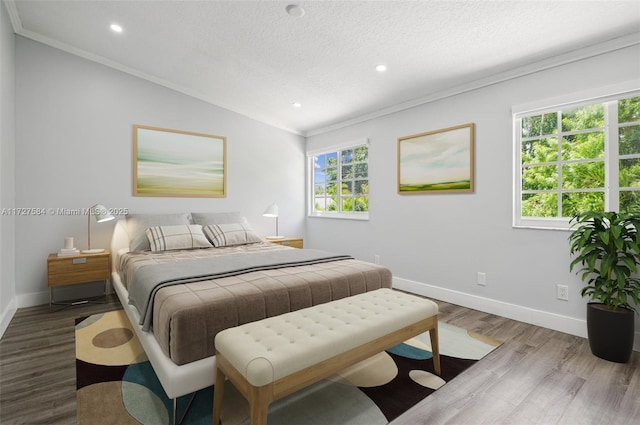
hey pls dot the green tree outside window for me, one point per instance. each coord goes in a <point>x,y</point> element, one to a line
<point>563,157</point>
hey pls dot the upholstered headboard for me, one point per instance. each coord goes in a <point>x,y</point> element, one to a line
<point>128,235</point>
<point>119,243</point>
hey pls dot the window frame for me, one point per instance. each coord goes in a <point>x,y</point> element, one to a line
<point>608,96</point>
<point>311,155</point>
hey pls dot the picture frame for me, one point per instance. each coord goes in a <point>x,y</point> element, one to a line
<point>440,161</point>
<point>177,163</point>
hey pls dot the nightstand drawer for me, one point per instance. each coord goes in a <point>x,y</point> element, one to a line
<point>292,242</point>
<point>67,271</point>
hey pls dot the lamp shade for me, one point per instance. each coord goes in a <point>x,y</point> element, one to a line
<point>271,211</point>
<point>101,213</point>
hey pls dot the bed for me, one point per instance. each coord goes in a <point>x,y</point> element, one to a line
<point>258,287</point>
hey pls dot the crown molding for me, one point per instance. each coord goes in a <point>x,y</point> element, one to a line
<point>19,30</point>
<point>10,5</point>
<point>553,62</point>
<point>548,63</point>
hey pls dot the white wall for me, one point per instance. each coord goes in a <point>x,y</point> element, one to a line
<point>435,244</point>
<point>7,169</point>
<point>74,138</point>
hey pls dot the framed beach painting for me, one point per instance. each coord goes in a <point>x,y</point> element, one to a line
<point>178,163</point>
<point>439,161</point>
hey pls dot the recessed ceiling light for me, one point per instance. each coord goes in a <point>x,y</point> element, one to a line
<point>294,11</point>
<point>381,68</point>
<point>116,28</point>
<point>297,105</point>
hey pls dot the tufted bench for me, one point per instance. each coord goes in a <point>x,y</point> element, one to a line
<point>272,358</point>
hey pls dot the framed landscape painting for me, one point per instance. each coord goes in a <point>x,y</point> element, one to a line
<point>178,163</point>
<point>439,161</point>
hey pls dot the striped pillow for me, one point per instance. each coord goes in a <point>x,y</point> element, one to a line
<point>230,234</point>
<point>182,236</point>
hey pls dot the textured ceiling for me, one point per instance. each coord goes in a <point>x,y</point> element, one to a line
<point>253,58</point>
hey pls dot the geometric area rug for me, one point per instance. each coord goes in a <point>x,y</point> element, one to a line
<point>117,385</point>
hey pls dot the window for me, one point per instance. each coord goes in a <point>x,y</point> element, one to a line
<point>577,157</point>
<point>340,181</point>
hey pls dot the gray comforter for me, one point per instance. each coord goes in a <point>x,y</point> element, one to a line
<point>149,280</point>
<point>185,318</point>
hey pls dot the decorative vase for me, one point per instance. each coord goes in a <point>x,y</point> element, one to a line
<point>610,332</point>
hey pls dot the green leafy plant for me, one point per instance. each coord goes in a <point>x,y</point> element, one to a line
<point>607,246</point>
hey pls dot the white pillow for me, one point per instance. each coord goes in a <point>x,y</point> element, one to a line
<point>137,224</point>
<point>230,234</point>
<point>183,236</point>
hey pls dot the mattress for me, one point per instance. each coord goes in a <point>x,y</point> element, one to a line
<point>187,317</point>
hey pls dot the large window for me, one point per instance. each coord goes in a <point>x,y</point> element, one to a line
<point>340,182</point>
<point>577,157</point>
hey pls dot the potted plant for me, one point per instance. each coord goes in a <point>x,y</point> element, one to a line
<point>607,247</point>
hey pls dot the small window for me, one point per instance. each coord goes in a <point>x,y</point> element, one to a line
<point>340,182</point>
<point>582,156</point>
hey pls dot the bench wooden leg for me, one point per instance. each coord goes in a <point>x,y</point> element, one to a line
<point>217,396</point>
<point>259,400</point>
<point>435,346</point>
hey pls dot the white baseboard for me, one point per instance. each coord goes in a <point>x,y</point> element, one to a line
<point>64,293</point>
<point>7,315</point>
<point>42,298</point>
<point>33,299</point>
<point>532,316</point>
<point>541,318</point>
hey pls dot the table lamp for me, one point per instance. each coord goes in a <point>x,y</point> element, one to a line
<point>272,211</point>
<point>101,214</point>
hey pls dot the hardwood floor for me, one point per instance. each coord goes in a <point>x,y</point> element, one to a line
<point>538,376</point>
<point>37,364</point>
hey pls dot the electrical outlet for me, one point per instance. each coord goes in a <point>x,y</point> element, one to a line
<point>481,278</point>
<point>562,292</point>
<point>376,259</point>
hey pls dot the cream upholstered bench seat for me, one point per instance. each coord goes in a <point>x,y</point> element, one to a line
<point>272,358</point>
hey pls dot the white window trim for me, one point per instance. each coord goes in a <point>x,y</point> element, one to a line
<point>355,215</point>
<point>596,95</point>
<point>358,215</point>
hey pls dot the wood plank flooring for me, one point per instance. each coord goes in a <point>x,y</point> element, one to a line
<point>538,376</point>
<point>37,364</point>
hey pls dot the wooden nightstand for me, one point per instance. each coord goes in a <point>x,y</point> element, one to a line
<point>292,242</point>
<point>80,268</point>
